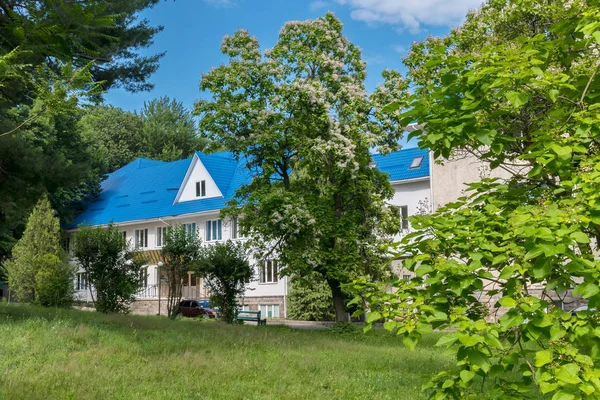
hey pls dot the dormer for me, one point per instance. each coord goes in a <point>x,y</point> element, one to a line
<point>197,184</point>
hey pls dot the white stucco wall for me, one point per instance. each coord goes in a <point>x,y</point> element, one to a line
<point>449,177</point>
<point>198,173</point>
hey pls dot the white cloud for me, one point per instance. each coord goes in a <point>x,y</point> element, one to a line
<point>411,14</point>
<point>318,5</point>
<point>221,3</point>
<point>400,49</point>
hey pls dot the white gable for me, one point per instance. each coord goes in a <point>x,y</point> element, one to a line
<point>197,173</point>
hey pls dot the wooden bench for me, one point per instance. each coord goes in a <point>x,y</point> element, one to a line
<point>253,316</point>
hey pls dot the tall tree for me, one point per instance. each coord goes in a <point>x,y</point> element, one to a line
<point>113,135</point>
<point>111,267</point>
<point>180,254</point>
<point>516,86</point>
<point>38,270</point>
<point>300,117</point>
<point>169,130</point>
<point>51,54</point>
<point>52,33</point>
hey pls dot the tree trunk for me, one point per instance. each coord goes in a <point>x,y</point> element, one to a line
<point>338,300</point>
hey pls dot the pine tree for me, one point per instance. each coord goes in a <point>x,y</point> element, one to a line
<point>39,251</point>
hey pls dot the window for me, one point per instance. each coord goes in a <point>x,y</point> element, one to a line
<point>245,308</point>
<point>143,277</point>
<point>201,189</point>
<point>81,281</point>
<point>161,233</point>
<point>269,310</point>
<point>193,280</point>
<point>406,277</point>
<point>404,216</point>
<point>141,238</point>
<point>190,229</point>
<point>213,230</point>
<point>269,270</point>
<point>235,230</point>
<point>67,244</point>
<point>416,162</point>
<point>124,233</point>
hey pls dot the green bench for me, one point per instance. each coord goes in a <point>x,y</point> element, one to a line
<point>253,316</point>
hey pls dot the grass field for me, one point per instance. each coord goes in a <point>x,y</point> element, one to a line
<point>68,354</point>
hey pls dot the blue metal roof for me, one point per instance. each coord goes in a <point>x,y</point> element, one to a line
<point>397,164</point>
<point>145,189</point>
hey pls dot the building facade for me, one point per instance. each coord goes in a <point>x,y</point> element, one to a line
<point>145,197</point>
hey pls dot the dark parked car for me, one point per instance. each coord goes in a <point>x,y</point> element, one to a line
<point>194,308</point>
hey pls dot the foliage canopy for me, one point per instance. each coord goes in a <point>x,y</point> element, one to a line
<point>516,86</point>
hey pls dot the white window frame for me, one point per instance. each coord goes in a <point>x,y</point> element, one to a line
<point>81,283</point>
<point>416,162</point>
<point>235,228</point>
<point>214,230</point>
<point>404,217</point>
<point>144,277</point>
<point>265,308</point>
<point>268,272</point>
<point>191,228</point>
<point>141,238</point>
<point>161,232</point>
<point>201,188</point>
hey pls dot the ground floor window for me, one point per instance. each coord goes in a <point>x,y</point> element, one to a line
<point>144,277</point>
<point>269,310</point>
<point>81,282</point>
<point>245,308</point>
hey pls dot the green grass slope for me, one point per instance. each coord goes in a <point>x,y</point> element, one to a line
<point>68,354</point>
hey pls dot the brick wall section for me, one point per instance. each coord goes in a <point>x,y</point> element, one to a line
<point>150,306</point>
<point>570,302</point>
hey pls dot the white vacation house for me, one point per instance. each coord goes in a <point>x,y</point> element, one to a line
<point>146,196</point>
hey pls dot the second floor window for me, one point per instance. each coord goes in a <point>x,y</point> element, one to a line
<point>268,271</point>
<point>213,230</point>
<point>161,232</point>
<point>404,216</point>
<point>235,229</point>
<point>190,229</point>
<point>141,238</point>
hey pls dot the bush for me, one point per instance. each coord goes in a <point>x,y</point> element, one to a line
<point>54,282</point>
<point>226,270</point>
<point>310,300</point>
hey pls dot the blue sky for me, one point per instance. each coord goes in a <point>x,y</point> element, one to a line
<point>193,29</point>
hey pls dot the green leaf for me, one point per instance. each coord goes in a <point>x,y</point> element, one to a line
<point>469,340</point>
<point>476,357</point>
<point>536,251</point>
<point>410,342</point>
<point>580,237</point>
<point>543,357</point>
<point>485,136</point>
<point>568,373</point>
<point>447,340</point>
<point>507,302</point>
<point>596,36</point>
<point>587,290</point>
<point>392,107</point>
<point>562,395</point>
<point>510,320</point>
<point>517,99</point>
<point>466,375</point>
<point>563,152</point>
<point>553,94</point>
<point>373,316</point>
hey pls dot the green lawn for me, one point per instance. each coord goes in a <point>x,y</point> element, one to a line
<point>67,354</point>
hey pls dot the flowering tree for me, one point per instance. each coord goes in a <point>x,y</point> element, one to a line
<point>518,87</point>
<point>299,116</point>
